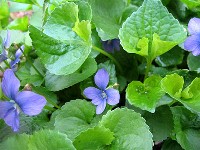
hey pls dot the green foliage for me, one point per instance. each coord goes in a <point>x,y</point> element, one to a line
<point>189,97</point>
<point>170,58</point>
<point>160,123</point>
<point>127,126</point>
<point>55,49</point>
<point>75,117</point>
<point>151,30</point>
<point>109,11</point>
<point>193,62</point>
<point>94,138</point>
<point>186,128</point>
<point>56,82</point>
<point>17,142</point>
<point>50,140</point>
<point>145,96</point>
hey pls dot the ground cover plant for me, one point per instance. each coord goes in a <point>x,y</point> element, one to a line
<point>100,74</point>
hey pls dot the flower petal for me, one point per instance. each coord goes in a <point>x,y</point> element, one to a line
<point>113,96</point>
<point>116,44</point>
<point>6,42</point>
<point>194,26</point>
<point>101,79</point>
<point>101,107</point>
<point>108,46</point>
<point>92,93</point>
<point>30,102</point>
<point>10,84</point>
<point>17,57</point>
<point>12,119</point>
<point>5,107</point>
<point>192,43</point>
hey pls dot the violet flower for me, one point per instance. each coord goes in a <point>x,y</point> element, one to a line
<point>18,54</point>
<point>192,43</point>
<point>27,102</point>
<point>102,95</point>
<point>5,45</point>
<point>111,45</point>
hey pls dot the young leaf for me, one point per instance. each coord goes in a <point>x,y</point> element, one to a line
<point>127,126</point>
<point>189,97</point>
<point>147,95</point>
<point>94,138</point>
<point>173,84</point>
<point>75,117</point>
<point>151,30</point>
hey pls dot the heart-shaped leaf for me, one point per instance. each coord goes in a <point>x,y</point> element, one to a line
<point>151,30</point>
<point>147,95</point>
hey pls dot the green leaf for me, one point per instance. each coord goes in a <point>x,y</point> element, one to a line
<point>19,24</point>
<point>56,83</point>
<point>160,123</point>
<point>191,3</point>
<point>171,144</point>
<point>151,30</point>
<point>85,11</point>
<point>50,140</point>
<point>110,12</point>
<point>69,40</point>
<point>94,138</point>
<point>28,124</point>
<point>127,126</point>
<point>173,84</point>
<point>17,142</point>
<point>4,11</point>
<point>75,117</point>
<point>189,97</point>
<point>147,95</point>
<point>110,68</point>
<point>171,58</point>
<point>193,63</point>
<point>186,128</point>
<point>26,77</point>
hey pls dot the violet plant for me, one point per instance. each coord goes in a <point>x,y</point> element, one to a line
<point>27,102</point>
<point>102,95</point>
<point>111,74</point>
<point>192,43</point>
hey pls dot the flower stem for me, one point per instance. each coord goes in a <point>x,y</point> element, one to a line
<point>109,56</point>
<point>49,108</point>
<point>7,64</point>
<point>31,63</point>
<point>148,66</point>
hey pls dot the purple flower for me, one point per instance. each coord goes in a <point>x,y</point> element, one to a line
<point>192,43</point>
<point>27,102</point>
<point>111,45</point>
<point>6,45</point>
<point>102,95</point>
<point>18,54</point>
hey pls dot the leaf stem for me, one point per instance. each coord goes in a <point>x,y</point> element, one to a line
<point>49,108</point>
<point>109,56</point>
<point>148,66</point>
